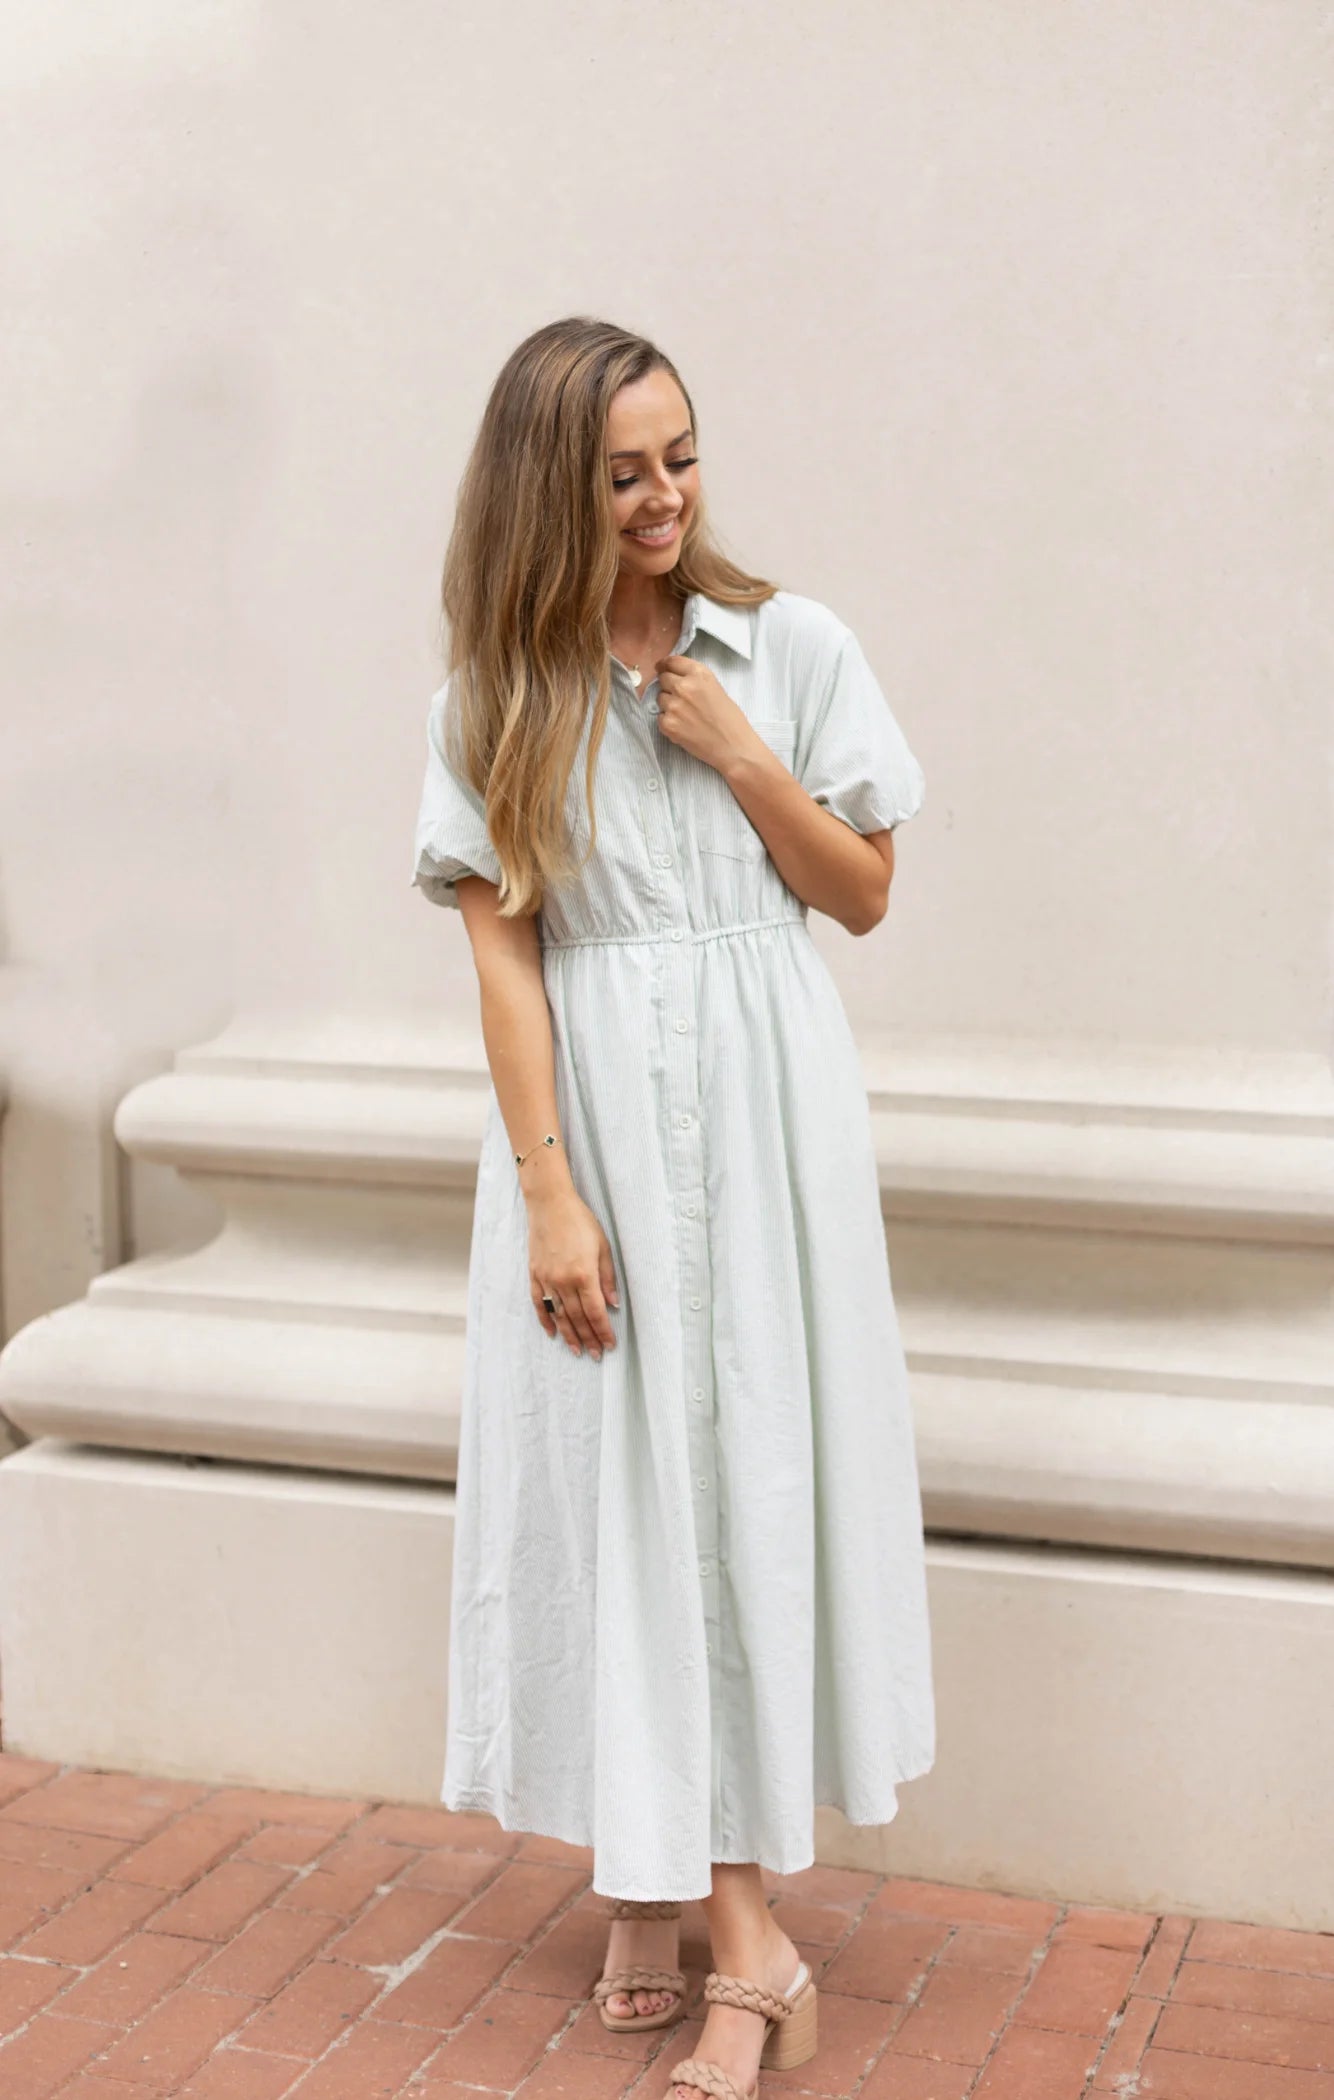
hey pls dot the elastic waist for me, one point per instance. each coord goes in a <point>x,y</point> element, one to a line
<point>675,933</point>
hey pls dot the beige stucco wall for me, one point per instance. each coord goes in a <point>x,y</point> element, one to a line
<point>1010,335</point>
<point>1008,338</point>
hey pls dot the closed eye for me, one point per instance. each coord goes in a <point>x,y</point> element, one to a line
<point>630,479</point>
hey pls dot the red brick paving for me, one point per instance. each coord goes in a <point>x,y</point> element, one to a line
<point>164,1941</point>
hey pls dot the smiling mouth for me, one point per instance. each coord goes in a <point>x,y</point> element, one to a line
<point>652,533</point>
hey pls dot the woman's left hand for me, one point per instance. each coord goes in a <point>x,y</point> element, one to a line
<point>695,712</point>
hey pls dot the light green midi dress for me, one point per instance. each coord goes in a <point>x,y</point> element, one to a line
<point>688,1596</point>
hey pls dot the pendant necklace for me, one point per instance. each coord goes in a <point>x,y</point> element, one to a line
<point>636,676</point>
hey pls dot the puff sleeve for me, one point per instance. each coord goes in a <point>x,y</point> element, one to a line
<point>852,757</point>
<point>451,836</point>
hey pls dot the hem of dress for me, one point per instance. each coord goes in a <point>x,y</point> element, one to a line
<point>476,1801</point>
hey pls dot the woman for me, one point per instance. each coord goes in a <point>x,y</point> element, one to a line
<point>689,1599</point>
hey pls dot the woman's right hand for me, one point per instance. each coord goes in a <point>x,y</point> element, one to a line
<point>569,1259</point>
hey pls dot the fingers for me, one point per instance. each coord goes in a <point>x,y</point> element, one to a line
<point>607,1278</point>
<point>544,1315</point>
<point>559,1322</point>
<point>580,1315</point>
<point>596,1320</point>
<point>565,1327</point>
<point>578,1301</point>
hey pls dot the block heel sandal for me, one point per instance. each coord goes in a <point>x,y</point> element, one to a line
<point>790,2037</point>
<point>623,1982</point>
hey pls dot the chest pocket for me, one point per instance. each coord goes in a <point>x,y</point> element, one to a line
<point>721,824</point>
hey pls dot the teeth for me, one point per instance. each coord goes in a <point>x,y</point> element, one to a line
<point>654,532</point>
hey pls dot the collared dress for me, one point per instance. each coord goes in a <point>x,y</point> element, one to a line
<point>688,1599</point>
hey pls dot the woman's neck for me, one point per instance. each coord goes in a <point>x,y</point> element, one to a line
<point>639,603</point>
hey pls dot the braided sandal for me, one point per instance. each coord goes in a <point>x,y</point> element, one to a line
<point>622,1982</point>
<point>790,2033</point>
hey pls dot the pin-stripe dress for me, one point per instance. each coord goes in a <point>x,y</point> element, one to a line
<point>688,1597</point>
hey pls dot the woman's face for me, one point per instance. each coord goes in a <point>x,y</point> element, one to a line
<point>653,470</point>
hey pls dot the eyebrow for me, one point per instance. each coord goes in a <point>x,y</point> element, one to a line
<point>639,455</point>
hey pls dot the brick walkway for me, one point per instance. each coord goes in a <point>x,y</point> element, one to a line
<point>222,1943</point>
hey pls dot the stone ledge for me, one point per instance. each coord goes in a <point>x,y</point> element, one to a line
<point>1155,1380</point>
<point>283,1628</point>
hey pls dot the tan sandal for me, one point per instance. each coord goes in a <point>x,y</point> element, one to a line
<point>622,1982</point>
<point>790,2033</point>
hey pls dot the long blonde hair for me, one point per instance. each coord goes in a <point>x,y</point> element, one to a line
<point>528,576</point>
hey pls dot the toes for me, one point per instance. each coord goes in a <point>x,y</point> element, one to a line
<point>622,2004</point>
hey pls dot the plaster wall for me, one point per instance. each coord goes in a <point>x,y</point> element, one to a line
<point>1008,331</point>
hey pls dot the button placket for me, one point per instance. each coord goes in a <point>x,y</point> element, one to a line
<point>664,855</point>
<point>665,871</point>
<point>680,1023</point>
<point>687,1167</point>
<point>663,878</point>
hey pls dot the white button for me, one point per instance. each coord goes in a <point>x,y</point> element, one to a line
<point>676,933</point>
<point>681,1027</point>
<point>652,786</point>
<point>701,1482</point>
<point>705,1566</point>
<point>690,1210</point>
<point>696,1302</point>
<point>699,1392</point>
<point>708,1647</point>
<point>684,1122</point>
<point>664,860</point>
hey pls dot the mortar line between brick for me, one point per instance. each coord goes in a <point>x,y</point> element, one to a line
<point>116,2036</point>
<point>1124,2006</point>
<point>393,1975</point>
<point>853,1929</point>
<point>915,1990</point>
<point>101,1877</point>
<point>1113,2030</point>
<point>231,2040</point>
<point>1035,1961</point>
<point>1153,1942</point>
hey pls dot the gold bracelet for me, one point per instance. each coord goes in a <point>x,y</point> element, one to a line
<point>550,1139</point>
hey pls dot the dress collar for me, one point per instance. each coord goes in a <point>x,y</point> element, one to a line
<point>727,623</point>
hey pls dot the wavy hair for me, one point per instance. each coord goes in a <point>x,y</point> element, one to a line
<point>532,559</point>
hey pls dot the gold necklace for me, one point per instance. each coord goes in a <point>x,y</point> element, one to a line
<point>636,675</point>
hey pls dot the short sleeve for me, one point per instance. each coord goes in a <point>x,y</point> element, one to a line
<point>852,757</point>
<point>451,837</point>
